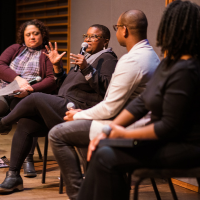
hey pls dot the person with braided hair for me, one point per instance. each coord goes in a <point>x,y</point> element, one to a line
<point>172,96</point>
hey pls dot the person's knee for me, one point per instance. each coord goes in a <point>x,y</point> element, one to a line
<point>53,133</point>
<point>4,109</point>
<point>105,156</point>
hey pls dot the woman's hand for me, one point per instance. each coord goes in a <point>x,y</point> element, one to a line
<point>79,60</point>
<point>54,56</point>
<point>117,131</point>
<point>24,91</point>
<point>93,144</point>
<point>21,82</point>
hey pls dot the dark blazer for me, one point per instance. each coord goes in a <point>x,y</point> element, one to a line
<point>85,94</point>
<point>47,85</point>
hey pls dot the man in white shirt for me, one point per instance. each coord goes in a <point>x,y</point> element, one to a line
<point>131,75</point>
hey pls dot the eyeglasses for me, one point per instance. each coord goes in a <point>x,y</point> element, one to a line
<point>93,38</point>
<point>115,27</point>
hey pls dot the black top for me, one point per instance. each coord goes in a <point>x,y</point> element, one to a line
<point>87,93</point>
<point>173,97</point>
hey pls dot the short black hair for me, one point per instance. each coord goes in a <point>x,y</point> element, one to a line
<point>136,22</point>
<point>104,29</point>
<point>179,30</point>
<point>40,25</point>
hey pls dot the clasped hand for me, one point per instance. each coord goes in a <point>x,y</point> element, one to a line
<point>70,114</point>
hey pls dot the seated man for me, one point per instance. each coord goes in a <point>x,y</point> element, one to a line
<point>39,112</point>
<point>131,75</point>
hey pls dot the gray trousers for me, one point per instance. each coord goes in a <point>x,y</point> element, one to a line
<point>63,138</point>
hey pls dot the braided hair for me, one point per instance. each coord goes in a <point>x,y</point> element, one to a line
<point>179,30</point>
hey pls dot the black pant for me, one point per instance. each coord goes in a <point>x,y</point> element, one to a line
<point>104,178</point>
<point>7,104</point>
<point>36,114</point>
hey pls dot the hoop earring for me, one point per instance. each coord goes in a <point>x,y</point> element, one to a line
<point>104,48</point>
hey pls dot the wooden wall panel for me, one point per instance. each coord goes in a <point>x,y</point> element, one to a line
<point>168,1</point>
<point>55,14</point>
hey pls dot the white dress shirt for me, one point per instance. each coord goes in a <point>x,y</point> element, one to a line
<point>129,79</point>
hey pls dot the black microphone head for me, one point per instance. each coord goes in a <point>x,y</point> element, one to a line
<point>70,105</point>
<point>38,78</point>
<point>106,129</point>
<point>84,45</point>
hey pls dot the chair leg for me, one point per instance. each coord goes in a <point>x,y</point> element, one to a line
<point>61,184</point>
<point>172,189</point>
<point>39,152</point>
<point>155,189</point>
<point>137,183</point>
<point>45,160</point>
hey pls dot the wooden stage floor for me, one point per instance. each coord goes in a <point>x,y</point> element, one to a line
<point>34,189</point>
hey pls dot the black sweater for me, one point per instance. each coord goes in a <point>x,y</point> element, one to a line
<point>173,97</point>
<point>85,94</point>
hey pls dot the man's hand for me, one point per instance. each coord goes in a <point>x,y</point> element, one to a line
<point>78,60</point>
<point>70,114</point>
<point>94,143</point>
<point>54,56</point>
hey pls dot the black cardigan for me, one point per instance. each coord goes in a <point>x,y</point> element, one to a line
<point>85,94</point>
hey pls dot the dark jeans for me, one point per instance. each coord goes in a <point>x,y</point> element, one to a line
<point>63,137</point>
<point>36,115</point>
<point>104,178</point>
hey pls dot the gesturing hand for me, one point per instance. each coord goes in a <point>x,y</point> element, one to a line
<point>70,114</point>
<point>54,56</point>
<point>78,60</point>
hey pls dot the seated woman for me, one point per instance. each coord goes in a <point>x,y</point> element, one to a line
<point>23,62</point>
<point>85,88</point>
<point>173,97</point>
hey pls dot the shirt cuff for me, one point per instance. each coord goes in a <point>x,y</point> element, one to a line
<point>57,75</point>
<point>88,72</point>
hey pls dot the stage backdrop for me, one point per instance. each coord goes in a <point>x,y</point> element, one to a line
<point>106,12</point>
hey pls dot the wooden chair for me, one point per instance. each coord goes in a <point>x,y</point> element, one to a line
<point>141,174</point>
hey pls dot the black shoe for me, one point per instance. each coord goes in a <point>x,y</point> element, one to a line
<point>28,165</point>
<point>4,129</point>
<point>12,182</point>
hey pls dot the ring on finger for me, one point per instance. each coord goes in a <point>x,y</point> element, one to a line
<point>49,51</point>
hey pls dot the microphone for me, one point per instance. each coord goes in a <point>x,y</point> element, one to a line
<point>84,46</point>
<point>70,105</point>
<point>36,79</point>
<point>106,129</point>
